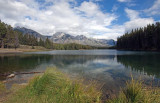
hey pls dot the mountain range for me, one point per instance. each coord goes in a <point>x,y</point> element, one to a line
<point>30,32</point>
<point>64,38</point>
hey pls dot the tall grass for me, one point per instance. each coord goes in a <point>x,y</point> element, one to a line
<point>2,87</point>
<point>136,92</point>
<point>55,87</point>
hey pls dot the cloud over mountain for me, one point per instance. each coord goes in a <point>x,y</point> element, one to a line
<point>90,18</point>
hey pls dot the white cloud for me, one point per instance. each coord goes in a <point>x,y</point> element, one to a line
<point>137,23</point>
<point>124,0</point>
<point>86,19</point>
<point>95,0</point>
<point>155,9</point>
<point>135,20</point>
<point>65,16</point>
<point>129,3</point>
<point>114,8</point>
<point>93,13</point>
<point>132,14</point>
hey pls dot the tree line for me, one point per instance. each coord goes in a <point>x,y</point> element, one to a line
<point>71,46</point>
<point>147,38</point>
<point>27,39</point>
<point>10,38</point>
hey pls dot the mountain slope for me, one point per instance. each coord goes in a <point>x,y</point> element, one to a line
<point>110,42</point>
<point>64,38</point>
<point>30,32</point>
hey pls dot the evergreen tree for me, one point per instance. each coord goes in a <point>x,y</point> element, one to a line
<point>12,39</point>
<point>16,40</point>
<point>3,32</point>
<point>48,44</point>
<point>147,38</point>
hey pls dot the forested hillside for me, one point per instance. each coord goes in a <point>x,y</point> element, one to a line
<point>147,38</point>
<point>10,38</point>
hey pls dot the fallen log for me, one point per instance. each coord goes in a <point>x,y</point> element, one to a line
<point>11,75</point>
<point>28,73</point>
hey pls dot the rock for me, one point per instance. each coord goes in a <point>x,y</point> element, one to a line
<point>23,84</point>
<point>11,76</point>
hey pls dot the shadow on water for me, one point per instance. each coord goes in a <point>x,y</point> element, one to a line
<point>149,64</point>
<point>16,63</point>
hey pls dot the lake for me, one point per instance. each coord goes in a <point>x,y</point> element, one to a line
<point>111,68</point>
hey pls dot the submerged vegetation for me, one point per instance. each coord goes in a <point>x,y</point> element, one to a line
<point>55,87</point>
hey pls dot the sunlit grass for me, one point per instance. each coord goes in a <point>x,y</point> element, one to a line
<point>136,92</point>
<point>55,87</point>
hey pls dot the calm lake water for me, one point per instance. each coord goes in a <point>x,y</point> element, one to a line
<point>111,68</point>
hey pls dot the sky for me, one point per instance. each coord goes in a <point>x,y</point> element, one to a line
<point>100,19</point>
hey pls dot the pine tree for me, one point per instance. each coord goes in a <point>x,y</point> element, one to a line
<point>3,32</point>
<point>147,38</point>
<point>16,40</point>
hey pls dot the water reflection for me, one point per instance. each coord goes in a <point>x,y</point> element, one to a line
<point>16,63</point>
<point>110,69</point>
<point>149,64</point>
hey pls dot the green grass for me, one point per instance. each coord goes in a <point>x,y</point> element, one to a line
<point>2,87</point>
<point>136,92</point>
<point>55,87</point>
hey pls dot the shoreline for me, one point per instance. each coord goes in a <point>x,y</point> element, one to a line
<point>64,87</point>
<point>22,49</point>
<point>8,51</point>
<point>74,90</point>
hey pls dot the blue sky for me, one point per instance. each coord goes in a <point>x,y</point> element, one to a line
<point>107,19</point>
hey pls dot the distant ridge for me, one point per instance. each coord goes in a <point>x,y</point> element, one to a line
<point>30,32</point>
<point>64,38</point>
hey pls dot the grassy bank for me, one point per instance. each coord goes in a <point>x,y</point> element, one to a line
<point>55,87</point>
<point>2,87</point>
<point>23,48</point>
